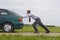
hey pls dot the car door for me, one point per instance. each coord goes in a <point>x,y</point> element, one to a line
<point>3,15</point>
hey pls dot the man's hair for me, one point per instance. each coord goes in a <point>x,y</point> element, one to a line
<point>28,11</point>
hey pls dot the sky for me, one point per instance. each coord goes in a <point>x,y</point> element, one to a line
<point>47,10</point>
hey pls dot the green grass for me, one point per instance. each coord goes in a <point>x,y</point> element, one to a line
<point>36,37</point>
<point>31,29</point>
<point>20,37</point>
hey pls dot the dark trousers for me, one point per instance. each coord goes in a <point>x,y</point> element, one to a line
<point>38,21</point>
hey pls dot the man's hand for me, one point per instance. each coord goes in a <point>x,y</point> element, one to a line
<point>21,17</point>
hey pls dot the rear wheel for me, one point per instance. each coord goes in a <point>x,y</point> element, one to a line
<point>8,27</point>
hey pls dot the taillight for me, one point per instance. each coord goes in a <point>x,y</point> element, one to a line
<point>20,19</point>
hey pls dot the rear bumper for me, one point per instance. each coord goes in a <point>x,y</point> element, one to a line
<point>18,25</point>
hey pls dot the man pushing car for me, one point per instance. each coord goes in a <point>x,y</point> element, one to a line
<point>37,21</point>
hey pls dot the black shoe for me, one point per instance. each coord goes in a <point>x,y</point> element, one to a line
<point>36,32</point>
<point>47,32</point>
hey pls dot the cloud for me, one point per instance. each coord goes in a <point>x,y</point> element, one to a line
<point>47,10</point>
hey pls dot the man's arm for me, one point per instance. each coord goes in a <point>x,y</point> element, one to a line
<point>25,16</point>
<point>29,15</point>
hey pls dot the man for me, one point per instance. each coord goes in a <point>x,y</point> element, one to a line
<point>37,21</point>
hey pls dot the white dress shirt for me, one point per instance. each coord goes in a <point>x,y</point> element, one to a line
<point>31,15</point>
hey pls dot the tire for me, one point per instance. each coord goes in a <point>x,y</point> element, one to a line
<point>8,27</point>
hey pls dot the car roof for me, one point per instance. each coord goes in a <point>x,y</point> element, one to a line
<point>9,11</point>
<point>4,9</point>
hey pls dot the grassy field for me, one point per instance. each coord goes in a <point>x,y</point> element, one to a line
<point>35,37</point>
<point>20,37</point>
<point>31,29</point>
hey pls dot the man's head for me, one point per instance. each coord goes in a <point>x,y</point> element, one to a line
<point>28,11</point>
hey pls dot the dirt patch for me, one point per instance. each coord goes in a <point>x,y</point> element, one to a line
<point>31,34</point>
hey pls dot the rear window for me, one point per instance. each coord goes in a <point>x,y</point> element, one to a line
<point>3,13</point>
<point>13,13</point>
